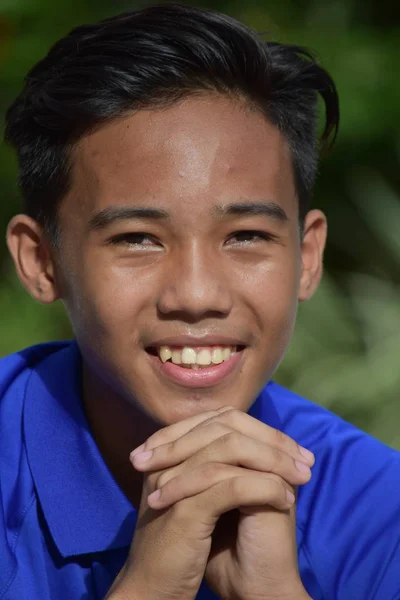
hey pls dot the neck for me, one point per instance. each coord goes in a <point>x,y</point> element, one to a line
<point>117,427</point>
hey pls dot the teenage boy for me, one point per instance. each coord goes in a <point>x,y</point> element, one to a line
<point>167,158</point>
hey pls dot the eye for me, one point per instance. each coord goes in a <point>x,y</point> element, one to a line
<point>135,240</point>
<point>246,237</point>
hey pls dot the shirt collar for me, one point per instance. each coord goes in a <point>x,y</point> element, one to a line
<point>83,506</point>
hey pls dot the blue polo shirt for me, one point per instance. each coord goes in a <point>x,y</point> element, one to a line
<point>66,527</point>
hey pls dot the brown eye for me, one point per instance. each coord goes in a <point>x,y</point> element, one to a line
<point>135,240</point>
<point>250,237</point>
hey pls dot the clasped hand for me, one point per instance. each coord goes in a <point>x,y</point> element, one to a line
<point>218,502</point>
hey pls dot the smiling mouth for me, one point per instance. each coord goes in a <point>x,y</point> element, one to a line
<point>195,358</point>
<point>182,365</point>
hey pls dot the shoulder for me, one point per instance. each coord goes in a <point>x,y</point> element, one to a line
<point>16,485</point>
<point>14,374</point>
<point>16,364</point>
<point>301,417</point>
<point>324,432</point>
<point>16,371</point>
<point>346,458</point>
<point>349,513</point>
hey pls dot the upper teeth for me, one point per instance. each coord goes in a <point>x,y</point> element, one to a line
<point>189,356</point>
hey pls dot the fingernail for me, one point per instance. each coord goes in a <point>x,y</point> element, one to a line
<point>307,454</point>
<point>141,458</point>
<point>290,497</point>
<point>154,496</point>
<point>137,450</point>
<point>301,467</point>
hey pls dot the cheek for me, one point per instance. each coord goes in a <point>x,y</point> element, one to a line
<point>273,295</point>
<point>105,302</point>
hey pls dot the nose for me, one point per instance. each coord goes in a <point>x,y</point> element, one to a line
<point>195,286</point>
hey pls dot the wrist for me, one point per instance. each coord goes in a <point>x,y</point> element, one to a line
<point>295,595</point>
<point>126,591</point>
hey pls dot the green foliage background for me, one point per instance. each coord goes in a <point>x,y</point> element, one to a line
<point>346,350</point>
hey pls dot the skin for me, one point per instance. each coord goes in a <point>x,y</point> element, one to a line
<point>218,462</point>
<point>191,274</point>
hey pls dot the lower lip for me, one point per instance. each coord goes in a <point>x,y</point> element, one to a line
<point>199,378</point>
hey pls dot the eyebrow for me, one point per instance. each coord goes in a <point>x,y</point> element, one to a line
<point>107,216</point>
<point>269,209</point>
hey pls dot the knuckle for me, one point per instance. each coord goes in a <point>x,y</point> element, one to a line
<point>280,437</point>
<point>152,482</point>
<point>164,478</point>
<point>211,470</point>
<point>231,440</point>
<point>224,409</point>
<point>231,415</point>
<point>216,413</point>
<point>276,479</point>
<point>276,458</point>
<point>170,448</point>
<point>236,486</point>
<point>286,443</point>
<point>296,448</point>
<point>166,453</point>
<point>280,488</point>
<point>293,446</point>
<point>218,429</point>
<point>156,477</point>
<point>155,440</point>
<point>276,490</point>
<point>211,416</point>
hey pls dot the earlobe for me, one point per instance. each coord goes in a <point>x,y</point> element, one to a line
<point>33,260</point>
<point>313,245</point>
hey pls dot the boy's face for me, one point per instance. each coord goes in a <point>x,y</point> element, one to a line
<point>220,264</point>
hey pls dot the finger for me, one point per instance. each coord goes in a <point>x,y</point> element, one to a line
<point>229,494</point>
<point>177,451</point>
<point>253,428</point>
<point>217,443</point>
<point>235,449</point>
<point>177,430</point>
<point>207,475</point>
<point>208,429</point>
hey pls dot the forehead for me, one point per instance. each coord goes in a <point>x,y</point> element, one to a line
<point>201,150</point>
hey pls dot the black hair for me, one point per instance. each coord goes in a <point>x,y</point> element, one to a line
<point>154,57</point>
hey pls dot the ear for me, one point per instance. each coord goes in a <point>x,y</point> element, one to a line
<point>32,258</point>
<point>312,251</point>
